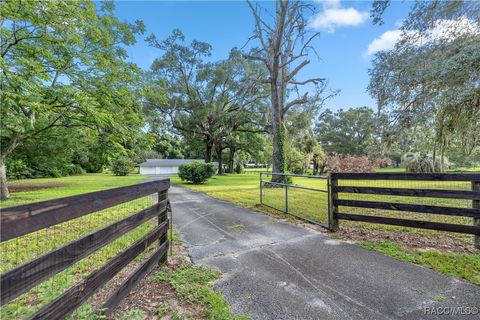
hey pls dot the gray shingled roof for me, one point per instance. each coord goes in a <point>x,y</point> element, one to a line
<point>167,162</point>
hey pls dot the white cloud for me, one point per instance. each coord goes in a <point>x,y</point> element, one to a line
<point>330,3</point>
<point>443,30</point>
<point>334,16</point>
<point>385,42</point>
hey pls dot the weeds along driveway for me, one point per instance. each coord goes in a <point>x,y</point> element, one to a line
<point>277,270</point>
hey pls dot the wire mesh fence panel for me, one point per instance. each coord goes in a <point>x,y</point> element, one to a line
<point>19,251</point>
<point>438,201</point>
<point>305,197</point>
<point>309,204</point>
<point>273,196</point>
<point>31,246</point>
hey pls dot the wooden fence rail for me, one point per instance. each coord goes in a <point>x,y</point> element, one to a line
<point>473,194</point>
<point>24,219</point>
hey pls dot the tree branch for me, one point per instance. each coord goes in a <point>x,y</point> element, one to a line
<point>298,101</point>
<point>314,81</point>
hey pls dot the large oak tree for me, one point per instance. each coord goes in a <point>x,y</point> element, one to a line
<point>206,100</point>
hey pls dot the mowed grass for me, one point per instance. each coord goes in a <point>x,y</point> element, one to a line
<point>71,185</point>
<point>244,190</point>
<point>18,251</point>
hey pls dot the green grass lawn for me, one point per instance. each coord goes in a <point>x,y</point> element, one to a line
<point>192,284</point>
<point>244,190</point>
<point>71,185</point>
<point>20,250</point>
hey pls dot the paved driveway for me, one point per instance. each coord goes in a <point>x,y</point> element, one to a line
<point>277,270</point>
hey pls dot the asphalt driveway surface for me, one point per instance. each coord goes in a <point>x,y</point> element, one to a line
<point>277,270</point>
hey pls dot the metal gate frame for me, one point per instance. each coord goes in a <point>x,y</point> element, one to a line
<point>288,185</point>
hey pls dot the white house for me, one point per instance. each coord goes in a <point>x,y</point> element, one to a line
<point>163,166</point>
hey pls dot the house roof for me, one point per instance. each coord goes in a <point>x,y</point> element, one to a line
<point>167,162</point>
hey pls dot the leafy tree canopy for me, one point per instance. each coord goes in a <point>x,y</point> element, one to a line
<point>349,131</point>
<point>64,65</point>
<point>433,73</point>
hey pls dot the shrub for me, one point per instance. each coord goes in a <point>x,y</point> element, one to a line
<point>121,166</point>
<point>74,169</point>
<point>18,169</point>
<point>196,172</point>
<point>418,162</point>
<point>349,163</point>
<point>239,168</point>
<point>382,162</point>
<point>298,162</point>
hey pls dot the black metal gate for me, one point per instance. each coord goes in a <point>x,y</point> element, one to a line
<point>303,196</point>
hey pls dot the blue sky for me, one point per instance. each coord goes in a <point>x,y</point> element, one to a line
<point>348,37</point>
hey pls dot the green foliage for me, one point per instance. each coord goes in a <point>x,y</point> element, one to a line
<point>349,131</point>
<point>121,166</point>
<point>207,102</point>
<point>58,74</point>
<point>430,78</point>
<point>134,314</point>
<point>85,312</point>
<point>194,284</point>
<point>420,163</point>
<point>196,172</point>
<point>439,298</point>
<point>169,147</point>
<point>280,157</point>
<point>164,308</point>
<point>298,161</point>
<point>180,316</point>
<point>318,158</point>
<point>18,169</point>
<point>52,153</point>
<point>239,169</point>
<point>238,226</point>
<point>465,266</point>
<point>74,169</point>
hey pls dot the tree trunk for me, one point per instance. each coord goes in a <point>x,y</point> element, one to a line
<point>322,168</point>
<point>279,159</point>
<point>315,167</point>
<point>4,194</point>
<point>219,150</point>
<point>279,133</point>
<point>208,150</point>
<point>231,157</point>
<point>442,156</point>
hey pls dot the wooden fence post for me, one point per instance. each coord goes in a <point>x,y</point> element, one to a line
<point>476,221</point>
<point>163,195</point>
<point>334,196</point>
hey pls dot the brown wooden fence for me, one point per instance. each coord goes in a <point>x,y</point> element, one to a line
<point>338,186</point>
<point>24,219</point>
